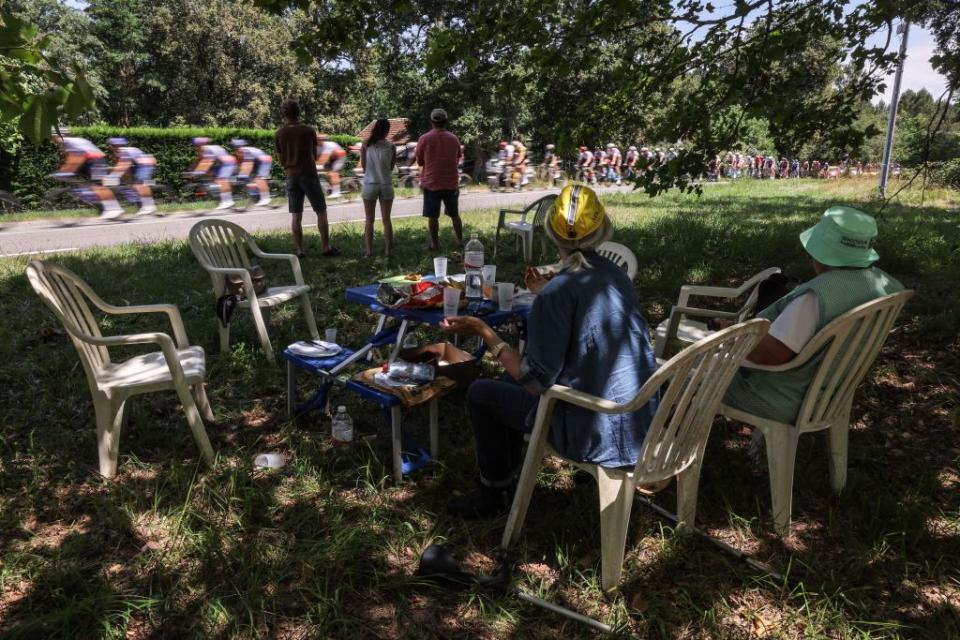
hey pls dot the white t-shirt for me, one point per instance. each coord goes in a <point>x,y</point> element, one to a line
<point>377,163</point>
<point>797,323</point>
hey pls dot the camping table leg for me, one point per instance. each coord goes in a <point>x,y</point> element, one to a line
<point>401,332</point>
<point>291,389</point>
<point>434,429</point>
<point>381,323</point>
<point>396,433</point>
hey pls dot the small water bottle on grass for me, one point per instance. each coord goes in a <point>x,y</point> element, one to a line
<point>342,427</point>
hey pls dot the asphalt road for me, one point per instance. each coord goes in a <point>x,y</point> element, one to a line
<point>61,235</point>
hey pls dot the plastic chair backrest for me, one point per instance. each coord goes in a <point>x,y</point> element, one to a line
<point>621,256</point>
<point>543,206</point>
<point>846,347</point>
<point>753,285</point>
<point>219,243</point>
<point>67,296</point>
<point>691,386</point>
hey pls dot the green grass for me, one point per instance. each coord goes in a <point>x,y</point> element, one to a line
<point>327,546</point>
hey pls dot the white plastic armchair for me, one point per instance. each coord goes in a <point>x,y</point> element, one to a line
<point>621,256</point>
<point>679,327</point>
<point>691,386</point>
<point>176,366</point>
<point>221,249</point>
<point>847,347</point>
<point>525,229</point>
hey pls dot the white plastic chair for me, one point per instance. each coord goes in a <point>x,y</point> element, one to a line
<point>691,386</point>
<point>848,346</point>
<point>221,248</point>
<point>621,256</point>
<point>680,328</point>
<point>177,366</point>
<point>524,229</point>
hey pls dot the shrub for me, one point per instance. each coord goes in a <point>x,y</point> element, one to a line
<point>946,173</point>
<point>27,168</point>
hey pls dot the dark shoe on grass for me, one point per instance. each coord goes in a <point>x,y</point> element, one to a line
<point>332,252</point>
<point>483,502</point>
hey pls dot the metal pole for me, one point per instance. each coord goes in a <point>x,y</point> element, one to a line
<point>894,104</point>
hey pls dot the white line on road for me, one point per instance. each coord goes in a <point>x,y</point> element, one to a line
<point>36,253</point>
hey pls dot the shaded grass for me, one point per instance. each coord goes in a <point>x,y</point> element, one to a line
<point>327,547</point>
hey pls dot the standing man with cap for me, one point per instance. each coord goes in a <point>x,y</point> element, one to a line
<point>296,146</point>
<point>439,154</point>
<point>841,249</point>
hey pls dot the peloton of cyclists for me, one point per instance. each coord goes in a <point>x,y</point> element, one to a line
<point>219,165</point>
<point>331,158</point>
<point>84,161</point>
<point>139,167</point>
<point>254,168</point>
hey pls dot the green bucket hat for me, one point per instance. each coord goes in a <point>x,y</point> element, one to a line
<point>844,237</point>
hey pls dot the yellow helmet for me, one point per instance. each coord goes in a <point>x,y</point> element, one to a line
<point>576,213</point>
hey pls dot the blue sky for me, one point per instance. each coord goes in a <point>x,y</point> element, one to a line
<point>917,71</point>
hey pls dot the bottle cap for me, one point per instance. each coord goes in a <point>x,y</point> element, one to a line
<point>342,409</point>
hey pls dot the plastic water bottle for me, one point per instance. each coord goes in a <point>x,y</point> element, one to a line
<point>342,427</point>
<point>472,264</point>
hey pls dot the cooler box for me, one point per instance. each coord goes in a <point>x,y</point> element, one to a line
<point>460,366</point>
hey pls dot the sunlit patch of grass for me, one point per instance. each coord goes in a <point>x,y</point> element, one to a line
<point>327,545</point>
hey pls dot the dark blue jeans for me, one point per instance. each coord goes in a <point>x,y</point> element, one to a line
<point>498,413</point>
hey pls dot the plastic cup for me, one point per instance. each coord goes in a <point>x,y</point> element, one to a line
<point>269,461</point>
<point>489,273</point>
<point>330,335</point>
<point>505,296</point>
<point>451,302</point>
<point>440,267</point>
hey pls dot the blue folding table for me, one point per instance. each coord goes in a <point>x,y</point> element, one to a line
<point>408,456</point>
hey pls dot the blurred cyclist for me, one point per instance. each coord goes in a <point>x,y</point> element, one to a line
<point>630,162</point>
<point>615,159</point>
<point>602,161</point>
<point>132,162</point>
<point>332,154</point>
<point>84,161</point>
<point>519,165</point>
<point>214,161</point>
<point>255,168</point>
<point>552,162</point>
<point>585,162</point>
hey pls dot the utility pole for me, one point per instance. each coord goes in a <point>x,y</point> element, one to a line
<point>904,30</point>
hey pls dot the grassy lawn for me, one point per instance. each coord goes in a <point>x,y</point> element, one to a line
<point>327,546</point>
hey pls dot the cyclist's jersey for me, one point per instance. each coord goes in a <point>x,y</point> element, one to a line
<point>615,157</point>
<point>602,158</point>
<point>135,156</point>
<point>252,154</point>
<point>218,153</point>
<point>585,159</point>
<point>509,153</point>
<point>631,158</point>
<point>331,149</point>
<point>548,158</point>
<point>520,154</point>
<point>82,146</point>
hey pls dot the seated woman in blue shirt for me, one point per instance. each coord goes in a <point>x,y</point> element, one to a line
<point>585,331</point>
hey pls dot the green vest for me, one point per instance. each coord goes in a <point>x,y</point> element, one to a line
<point>778,395</point>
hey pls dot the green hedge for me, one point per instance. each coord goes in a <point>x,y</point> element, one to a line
<point>946,173</point>
<point>26,170</point>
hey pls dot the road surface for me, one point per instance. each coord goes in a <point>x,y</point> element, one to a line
<point>61,235</point>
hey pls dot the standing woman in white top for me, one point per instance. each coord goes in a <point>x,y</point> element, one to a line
<point>377,157</point>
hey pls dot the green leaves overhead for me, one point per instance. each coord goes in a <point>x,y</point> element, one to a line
<point>34,91</point>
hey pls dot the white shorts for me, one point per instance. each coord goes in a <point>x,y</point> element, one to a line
<point>377,191</point>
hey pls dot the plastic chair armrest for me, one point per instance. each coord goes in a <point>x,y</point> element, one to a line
<point>173,313</point>
<point>594,403</point>
<point>289,257</point>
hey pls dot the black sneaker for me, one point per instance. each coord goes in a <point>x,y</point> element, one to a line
<point>483,502</point>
